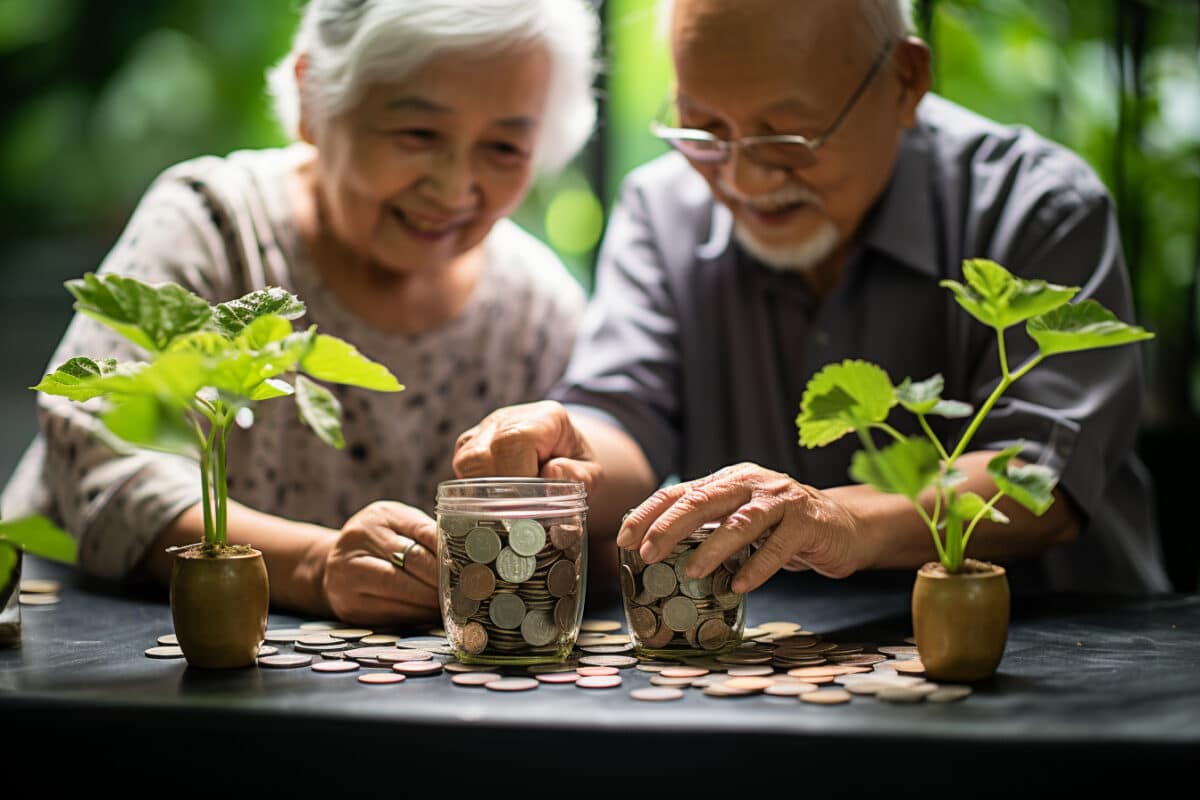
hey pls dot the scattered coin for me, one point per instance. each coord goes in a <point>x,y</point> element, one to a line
<point>395,656</point>
<point>826,697</point>
<point>165,652</point>
<point>418,668</point>
<point>599,625</point>
<point>381,678</point>
<point>287,661</point>
<point>38,599</point>
<point>750,684</point>
<point>909,665</point>
<point>379,639</point>
<point>350,634</point>
<point>560,677</point>
<point>896,694</point>
<point>343,665</point>
<point>168,640</point>
<point>790,689</point>
<point>656,694</point>
<point>608,649</point>
<point>474,678</point>
<point>460,668</point>
<point>599,682</point>
<point>948,694</point>
<point>620,662</point>
<point>513,684</point>
<point>660,680</point>
<point>683,672</point>
<point>268,650</point>
<point>319,626</point>
<point>751,671</point>
<point>285,635</point>
<point>39,586</point>
<point>722,690</point>
<point>900,652</point>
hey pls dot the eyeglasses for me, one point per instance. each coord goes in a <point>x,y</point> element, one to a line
<point>785,151</point>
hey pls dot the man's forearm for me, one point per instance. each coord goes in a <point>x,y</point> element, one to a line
<point>294,553</point>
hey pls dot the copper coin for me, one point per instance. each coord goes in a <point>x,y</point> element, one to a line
<point>829,671</point>
<point>683,672</point>
<point>168,651</point>
<point>591,672</point>
<point>474,638</point>
<point>900,652</point>
<point>909,665</point>
<point>513,684</point>
<point>750,684</point>
<point>721,690</point>
<point>562,580</point>
<point>643,621</point>
<point>381,677</point>
<point>287,661</point>
<point>379,639</point>
<point>826,697</point>
<point>566,535</point>
<point>335,666</point>
<point>713,634</point>
<point>861,660</point>
<point>564,612</point>
<point>474,678</point>
<point>656,694</point>
<point>599,682</point>
<point>477,581</point>
<point>370,652</point>
<point>418,668</point>
<point>560,677</point>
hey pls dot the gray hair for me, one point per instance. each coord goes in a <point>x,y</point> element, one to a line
<point>881,19</point>
<point>349,43</point>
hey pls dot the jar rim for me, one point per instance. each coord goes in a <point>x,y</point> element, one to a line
<point>511,496</point>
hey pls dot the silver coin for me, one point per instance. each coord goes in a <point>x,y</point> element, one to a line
<point>27,599</point>
<point>679,613</point>
<point>286,661</point>
<point>513,684</point>
<point>166,651</point>
<point>513,567</point>
<point>456,526</point>
<point>284,635</point>
<point>564,612</point>
<point>350,634</point>
<point>318,640</point>
<point>474,678</point>
<point>335,666</point>
<point>506,610</point>
<point>659,580</point>
<point>421,668</point>
<point>656,694</point>
<point>538,628</point>
<point>483,545</point>
<point>599,682</point>
<point>168,640</point>
<point>608,649</point>
<point>628,582</point>
<point>697,588</point>
<point>948,694</point>
<point>267,650</point>
<point>620,662</point>
<point>526,537</point>
<point>321,625</point>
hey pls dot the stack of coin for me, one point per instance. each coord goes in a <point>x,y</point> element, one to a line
<point>670,613</point>
<point>511,589</point>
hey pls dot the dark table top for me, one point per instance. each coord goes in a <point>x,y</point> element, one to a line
<point>1085,681</point>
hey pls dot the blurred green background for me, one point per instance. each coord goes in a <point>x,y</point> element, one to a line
<point>100,97</point>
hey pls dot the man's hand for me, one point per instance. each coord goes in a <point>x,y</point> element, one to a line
<point>793,526</point>
<point>361,582</point>
<point>530,440</point>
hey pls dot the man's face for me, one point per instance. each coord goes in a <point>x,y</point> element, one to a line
<point>761,67</point>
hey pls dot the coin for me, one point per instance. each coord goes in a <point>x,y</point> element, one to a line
<point>284,635</point>
<point>381,677</point>
<point>538,628</point>
<point>564,613</point>
<point>267,650</point>
<point>319,648</point>
<point>620,662</point>
<point>483,545</point>
<point>782,628</point>
<point>900,652</point>
<point>477,581</point>
<point>319,626</point>
<point>474,638</point>
<point>474,678</point>
<point>750,684</point>
<point>39,586</point>
<point>350,634</point>
<point>790,689</point>
<point>286,661</point>
<point>683,672</point>
<point>513,567</point>
<point>656,694</point>
<point>455,525</point>
<point>566,536</point>
<point>948,693</point>
<point>721,690</point>
<point>379,639</point>
<point>165,652</point>
<point>896,694</point>
<point>909,665</point>
<point>561,580</point>
<point>599,682</point>
<point>417,668</point>
<point>826,697</point>
<point>659,580</point>
<point>659,680</point>
<point>335,666</point>
<point>38,599</point>
<point>608,649</point>
<point>318,640</point>
<point>559,677</point>
<point>599,625</point>
<point>628,582</point>
<point>713,634</point>
<point>506,610</point>
<point>829,671</point>
<point>593,671</point>
<point>430,643</point>
<point>526,537</point>
<point>394,655</point>
<point>513,684</point>
<point>168,639</point>
<point>860,660</point>
<point>750,672</point>
<point>679,613</point>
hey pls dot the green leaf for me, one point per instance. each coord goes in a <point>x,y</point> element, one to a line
<point>1031,485</point>
<point>75,378</point>
<point>8,562</point>
<point>906,467</point>
<point>925,398</point>
<point>842,397</point>
<point>207,343</point>
<point>320,410</point>
<point>40,537</point>
<point>271,388</point>
<point>241,372</point>
<point>148,422</point>
<point>336,361</point>
<point>231,317</point>
<point>173,378</point>
<point>999,299</point>
<point>149,316</point>
<point>1086,325</point>
<point>968,504</point>
<point>952,477</point>
<point>263,331</point>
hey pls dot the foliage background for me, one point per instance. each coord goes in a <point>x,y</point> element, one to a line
<point>100,97</point>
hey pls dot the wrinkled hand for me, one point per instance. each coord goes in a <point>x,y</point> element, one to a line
<point>793,526</point>
<point>363,585</point>
<point>530,440</point>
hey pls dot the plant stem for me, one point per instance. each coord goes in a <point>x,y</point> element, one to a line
<point>889,430</point>
<point>219,477</point>
<point>982,512</point>
<point>954,543</point>
<point>929,432</point>
<point>1003,351</point>
<point>1005,382</point>
<point>205,461</point>
<point>873,454</point>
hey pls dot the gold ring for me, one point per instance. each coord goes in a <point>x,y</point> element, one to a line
<point>399,556</point>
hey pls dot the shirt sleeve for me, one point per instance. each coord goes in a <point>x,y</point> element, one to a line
<point>113,498</point>
<point>626,363</point>
<point>1078,412</point>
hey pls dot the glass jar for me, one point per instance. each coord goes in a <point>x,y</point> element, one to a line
<point>670,614</point>
<point>512,568</point>
<point>10,605</point>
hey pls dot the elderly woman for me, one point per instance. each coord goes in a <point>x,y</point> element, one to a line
<point>420,125</point>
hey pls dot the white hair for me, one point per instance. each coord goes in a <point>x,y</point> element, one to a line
<point>349,43</point>
<point>881,19</point>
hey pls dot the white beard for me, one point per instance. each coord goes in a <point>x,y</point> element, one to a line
<point>796,257</point>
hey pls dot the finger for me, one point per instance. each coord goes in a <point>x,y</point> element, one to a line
<point>637,522</point>
<point>472,456</point>
<point>569,469</point>
<point>772,554</point>
<point>378,577</point>
<point>701,502</point>
<point>746,525</point>
<point>380,611</point>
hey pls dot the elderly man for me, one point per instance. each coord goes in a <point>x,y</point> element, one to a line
<point>817,196</point>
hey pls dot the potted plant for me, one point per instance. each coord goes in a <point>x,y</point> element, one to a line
<point>960,606</point>
<point>33,534</point>
<point>209,365</point>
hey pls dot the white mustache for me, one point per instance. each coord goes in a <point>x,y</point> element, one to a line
<point>787,196</point>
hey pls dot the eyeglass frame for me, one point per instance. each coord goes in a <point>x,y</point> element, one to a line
<point>727,146</point>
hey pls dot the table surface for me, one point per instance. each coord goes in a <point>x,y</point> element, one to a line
<point>1082,677</point>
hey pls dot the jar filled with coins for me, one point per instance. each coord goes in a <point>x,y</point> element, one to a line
<point>512,567</point>
<point>670,614</point>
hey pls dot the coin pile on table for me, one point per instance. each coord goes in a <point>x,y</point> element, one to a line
<point>776,660</point>
<point>37,592</point>
<point>512,586</point>
<point>669,612</point>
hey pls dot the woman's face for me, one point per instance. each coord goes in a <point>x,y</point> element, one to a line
<point>420,169</point>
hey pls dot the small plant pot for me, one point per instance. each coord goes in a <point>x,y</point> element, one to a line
<point>961,620</point>
<point>220,604</point>
<point>10,606</point>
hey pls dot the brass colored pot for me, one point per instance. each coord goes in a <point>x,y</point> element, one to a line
<point>220,604</point>
<point>961,620</point>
